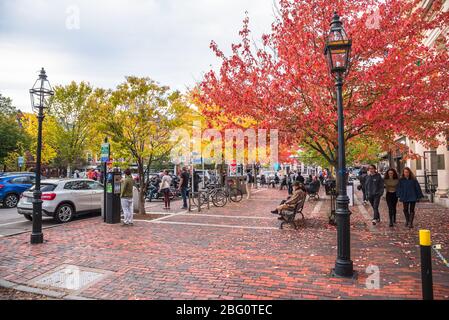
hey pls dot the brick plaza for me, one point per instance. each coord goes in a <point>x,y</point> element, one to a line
<point>236,252</point>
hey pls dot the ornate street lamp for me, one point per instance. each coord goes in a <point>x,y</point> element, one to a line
<point>338,49</point>
<point>40,94</point>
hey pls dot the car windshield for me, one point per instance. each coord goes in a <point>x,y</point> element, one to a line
<point>45,187</point>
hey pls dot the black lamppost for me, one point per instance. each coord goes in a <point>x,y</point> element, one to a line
<point>40,93</point>
<point>338,49</point>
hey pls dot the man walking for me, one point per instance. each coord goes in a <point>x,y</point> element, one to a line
<point>126,196</point>
<point>374,188</point>
<point>183,186</point>
<point>249,184</point>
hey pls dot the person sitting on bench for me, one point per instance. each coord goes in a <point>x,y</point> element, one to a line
<point>299,195</point>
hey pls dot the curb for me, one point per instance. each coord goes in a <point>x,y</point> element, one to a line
<point>47,293</point>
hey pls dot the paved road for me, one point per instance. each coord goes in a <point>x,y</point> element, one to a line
<point>11,223</point>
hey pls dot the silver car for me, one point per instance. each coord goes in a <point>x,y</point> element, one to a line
<point>64,199</point>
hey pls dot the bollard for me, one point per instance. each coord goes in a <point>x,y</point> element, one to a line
<point>426,264</point>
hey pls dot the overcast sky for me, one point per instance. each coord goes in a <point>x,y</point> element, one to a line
<point>167,40</point>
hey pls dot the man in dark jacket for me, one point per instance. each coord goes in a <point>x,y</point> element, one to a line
<point>374,188</point>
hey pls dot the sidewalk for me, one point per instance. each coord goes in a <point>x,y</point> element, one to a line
<point>235,252</point>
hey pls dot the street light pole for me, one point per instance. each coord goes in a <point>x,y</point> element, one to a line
<point>343,265</point>
<point>37,236</point>
<point>41,90</point>
<point>338,48</point>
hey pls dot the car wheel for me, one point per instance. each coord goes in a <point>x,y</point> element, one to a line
<point>64,213</point>
<point>28,217</point>
<point>11,201</point>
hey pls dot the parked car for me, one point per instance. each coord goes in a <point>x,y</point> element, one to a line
<point>63,199</point>
<point>12,186</point>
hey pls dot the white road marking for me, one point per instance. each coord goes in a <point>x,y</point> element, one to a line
<point>166,217</point>
<point>10,223</point>
<point>213,225</point>
<point>159,213</point>
<point>222,216</point>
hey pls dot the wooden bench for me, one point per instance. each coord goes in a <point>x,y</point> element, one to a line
<point>289,216</point>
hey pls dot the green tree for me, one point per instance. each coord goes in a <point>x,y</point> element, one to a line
<point>13,138</point>
<point>138,117</point>
<point>72,109</point>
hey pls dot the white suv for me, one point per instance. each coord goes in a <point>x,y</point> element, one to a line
<point>63,199</point>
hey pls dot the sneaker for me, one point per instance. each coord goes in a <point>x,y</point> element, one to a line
<point>274,212</point>
<point>374,222</point>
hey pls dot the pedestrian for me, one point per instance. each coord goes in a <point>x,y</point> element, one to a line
<point>76,175</point>
<point>290,181</point>
<point>362,179</point>
<point>409,192</point>
<point>196,181</point>
<point>165,188</point>
<point>374,187</point>
<point>249,183</point>
<point>184,186</point>
<point>276,179</point>
<point>391,181</point>
<point>126,196</point>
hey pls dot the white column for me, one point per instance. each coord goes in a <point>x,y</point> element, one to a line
<point>443,175</point>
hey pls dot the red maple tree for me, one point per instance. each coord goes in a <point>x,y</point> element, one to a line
<point>396,84</point>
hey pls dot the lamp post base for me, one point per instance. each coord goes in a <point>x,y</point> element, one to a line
<point>343,269</point>
<point>37,238</point>
<point>354,275</point>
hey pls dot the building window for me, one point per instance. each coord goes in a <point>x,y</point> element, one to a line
<point>441,160</point>
<point>418,164</point>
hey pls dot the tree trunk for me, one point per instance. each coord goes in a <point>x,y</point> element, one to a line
<point>68,171</point>
<point>141,187</point>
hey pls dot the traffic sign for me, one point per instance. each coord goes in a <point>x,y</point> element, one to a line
<point>21,161</point>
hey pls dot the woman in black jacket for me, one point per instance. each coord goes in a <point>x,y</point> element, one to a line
<point>409,192</point>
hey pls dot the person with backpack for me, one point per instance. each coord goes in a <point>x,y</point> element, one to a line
<point>409,192</point>
<point>374,187</point>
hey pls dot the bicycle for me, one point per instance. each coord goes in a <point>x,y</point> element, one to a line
<point>213,194</point>
<point>233,193</point>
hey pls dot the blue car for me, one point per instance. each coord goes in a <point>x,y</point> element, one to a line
<point>12,186</point>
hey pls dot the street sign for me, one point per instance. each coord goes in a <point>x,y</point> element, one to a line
<point>105,152</point>
<point>21,161</point>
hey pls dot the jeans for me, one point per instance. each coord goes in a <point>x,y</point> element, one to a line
<point>392,202</point>
<point>127,206</point>
<point>375,201</point>
<point>166,193</point>
<point>184,194</point>
<point>409,209</point>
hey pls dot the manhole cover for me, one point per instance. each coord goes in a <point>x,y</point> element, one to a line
<point>69,277</point>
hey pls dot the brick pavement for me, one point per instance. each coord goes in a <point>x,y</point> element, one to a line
<point>235,252</point>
